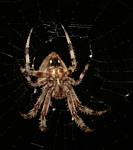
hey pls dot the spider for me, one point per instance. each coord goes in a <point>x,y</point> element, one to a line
<point>53,77</point>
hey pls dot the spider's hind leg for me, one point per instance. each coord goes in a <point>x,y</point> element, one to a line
<point>44,111</point>
<point>85,109</point>
<point>33,112</point>
<point>72,107</point>
<point>89,111</point>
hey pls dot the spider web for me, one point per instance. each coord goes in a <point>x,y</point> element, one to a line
<point>105,27</point>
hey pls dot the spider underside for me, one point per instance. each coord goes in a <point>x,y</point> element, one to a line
<point>53,77</point>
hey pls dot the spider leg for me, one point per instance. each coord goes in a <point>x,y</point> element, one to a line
<point>26,71</point>
<point>82,75</point>
<point>71,51</point>
<point>34,73</point>
<point>27,57</point>
<point>29,71</point>
<point>85,69</point>
<point>44,111</point>
<point>33,112</point>
<point>85,109</point>
<point>72,107</point>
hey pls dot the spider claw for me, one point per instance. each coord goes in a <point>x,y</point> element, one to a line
<point>22,70</point>
<point>26,116</point>
<point>99,113</point>
<point>43,128</point>
<point>29,115</point>
<point>89,130</point>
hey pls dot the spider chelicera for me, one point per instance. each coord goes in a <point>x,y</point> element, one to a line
<point>53,78</point>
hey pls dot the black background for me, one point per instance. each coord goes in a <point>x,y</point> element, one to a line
<point>107,26</point>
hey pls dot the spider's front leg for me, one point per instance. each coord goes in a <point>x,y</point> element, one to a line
<point>27,57</point>
<point>27,70</point>
<point>82,75</point>
<point>71,51</point>
<point>85,69</point>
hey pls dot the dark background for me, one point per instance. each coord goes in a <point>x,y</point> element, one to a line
<point>107,27</point>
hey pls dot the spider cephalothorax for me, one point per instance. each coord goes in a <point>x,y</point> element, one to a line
<point>53,77</point>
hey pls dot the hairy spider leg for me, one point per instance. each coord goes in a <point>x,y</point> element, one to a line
<point>85,109</point>
<point>27,57</point>
<point>26,70</point>
<point>82,75</point>
<point>33,112</point>
<point>77,82</point>
<point>80,123</point>
<point>45,109</point>
<point>29,71</point>
<point>71,51</point>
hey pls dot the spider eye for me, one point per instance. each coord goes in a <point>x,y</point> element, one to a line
<point>50,61</point>
<point>55,62</point>
<point>58,61</point>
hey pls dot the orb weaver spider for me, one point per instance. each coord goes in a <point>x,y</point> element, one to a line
<point>53,77</point>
